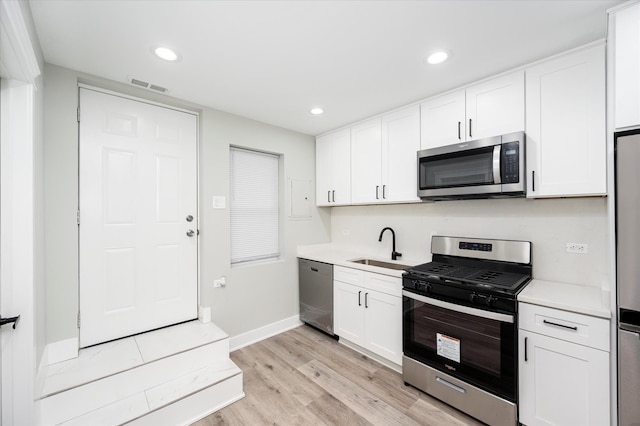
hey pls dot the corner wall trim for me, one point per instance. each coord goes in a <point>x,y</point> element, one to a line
<point>62,350</point>
<point>254,336</point>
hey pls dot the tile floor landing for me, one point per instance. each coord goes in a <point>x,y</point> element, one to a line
<point>180,373</point>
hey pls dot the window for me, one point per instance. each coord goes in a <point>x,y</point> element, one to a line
<point>254,205</point>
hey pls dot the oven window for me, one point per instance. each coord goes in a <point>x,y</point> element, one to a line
<point>474,167</point>
<point>476,339</point>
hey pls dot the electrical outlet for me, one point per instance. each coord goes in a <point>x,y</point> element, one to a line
<point>580,248</point>
<point>220,282</point>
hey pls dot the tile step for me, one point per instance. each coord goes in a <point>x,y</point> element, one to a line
<point>130,379</point>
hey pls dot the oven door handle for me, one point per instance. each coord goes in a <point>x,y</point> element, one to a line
<point>460,308</point>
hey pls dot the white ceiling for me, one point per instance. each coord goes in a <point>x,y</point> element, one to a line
<point>273,61</point>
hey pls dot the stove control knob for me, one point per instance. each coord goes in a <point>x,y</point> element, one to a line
<point>490,300</point>
<point>474,298</point>
<point>427,288</point>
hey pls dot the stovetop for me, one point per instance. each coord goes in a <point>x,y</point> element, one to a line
<point>474,272</point>
<point>486,279</point>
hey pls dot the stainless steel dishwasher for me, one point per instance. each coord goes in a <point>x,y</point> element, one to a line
<point>316,294</point>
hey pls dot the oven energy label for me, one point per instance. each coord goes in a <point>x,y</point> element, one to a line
<point>448,347</point>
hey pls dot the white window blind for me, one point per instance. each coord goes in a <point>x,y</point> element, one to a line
<point>254,205</point>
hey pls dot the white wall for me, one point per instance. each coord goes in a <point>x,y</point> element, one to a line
<point>548,224</point>
<point>255,295</point>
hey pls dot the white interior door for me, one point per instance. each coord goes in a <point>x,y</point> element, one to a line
<point>17,252</point>
<point>138,217</point>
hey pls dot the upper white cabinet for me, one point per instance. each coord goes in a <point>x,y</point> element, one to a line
<point>565,116</point>
<point>366,161</point>
<point>333,168</point>
<point>383,158</point>
<point>442,120</point>
<point>626,48</point>
<point>490,108</point>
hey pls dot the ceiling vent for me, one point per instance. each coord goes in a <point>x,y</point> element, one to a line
<point>146,85</point>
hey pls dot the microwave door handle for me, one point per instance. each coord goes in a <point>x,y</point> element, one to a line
<point>496,164</point>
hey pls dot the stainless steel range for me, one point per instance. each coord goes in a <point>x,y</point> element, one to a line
<point>460,324</point>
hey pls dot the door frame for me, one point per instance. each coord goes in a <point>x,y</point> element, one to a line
<point>194,112</point>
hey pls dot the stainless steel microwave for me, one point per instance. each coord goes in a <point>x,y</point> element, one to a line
<point>485,168</point>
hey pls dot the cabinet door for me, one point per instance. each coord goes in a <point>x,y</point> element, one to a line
<point>366,181</point>
<point>566,140</point>
<point>400,144</point>
<point>333,168</point>
<point>341,158</point>
<point>442,120</point>
<point>348,315</point>
<point>627,66</point>
<point>383,325</point>
<point>562,383</point>
<point>495,107</point>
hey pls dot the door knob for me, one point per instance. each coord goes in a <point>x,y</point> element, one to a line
<point>190,233</point>
<point>189,218</point>
<point>10,320</point>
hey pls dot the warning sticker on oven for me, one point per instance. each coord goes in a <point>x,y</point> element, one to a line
<point>448,347</point>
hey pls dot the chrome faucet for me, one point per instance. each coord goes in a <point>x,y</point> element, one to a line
<point>394,254</point>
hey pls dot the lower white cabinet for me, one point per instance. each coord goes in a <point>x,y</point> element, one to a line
<point>562,382</point>
<point>368,311</point>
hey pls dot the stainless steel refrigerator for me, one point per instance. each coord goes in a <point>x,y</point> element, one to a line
<point>628,271</point>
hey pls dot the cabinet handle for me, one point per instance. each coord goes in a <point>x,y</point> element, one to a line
<point>459,135</point>
<point>384,189</point>
<point>333,195</point>
<point>366,300</point>
<point>570,327</point>
<point>470,128</point>
<point>359,304</point>
<point>314,269</point>
<point>526,358</point>
<point>377,188</point>
<point>533,181</point>
<point>328,196</point>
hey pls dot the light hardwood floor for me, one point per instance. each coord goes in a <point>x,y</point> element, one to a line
<point>303,377</point>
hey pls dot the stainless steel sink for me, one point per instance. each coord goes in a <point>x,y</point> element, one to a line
<point>380,264</point>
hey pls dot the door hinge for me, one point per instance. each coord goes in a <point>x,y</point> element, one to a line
<point>78,319</point>
<point>78,114</point>
<point>78,217</point>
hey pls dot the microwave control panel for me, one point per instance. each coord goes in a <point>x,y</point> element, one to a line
<point>510,162</point>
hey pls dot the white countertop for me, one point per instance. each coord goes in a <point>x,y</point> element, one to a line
<point>568,297</point>
<point>341,256</point>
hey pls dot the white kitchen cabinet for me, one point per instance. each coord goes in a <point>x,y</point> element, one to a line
<point>368,311</point>
<point>366,161</point>
<point>442,120</point>
<point>565,125</point>
<point>563,368</point>
<point>486,109</point>
<point>383,158</point>
<point>626,64</point>
<point>333,168</point>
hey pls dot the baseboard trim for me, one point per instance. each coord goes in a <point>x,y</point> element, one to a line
<point>254,336</point>
<point>62,350</point>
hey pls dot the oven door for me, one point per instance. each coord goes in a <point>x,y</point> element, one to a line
<point>471,344</point>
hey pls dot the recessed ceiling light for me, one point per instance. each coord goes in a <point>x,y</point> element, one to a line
<point>316,111</point>
<point>437,57</point>
<point>166,54</point>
